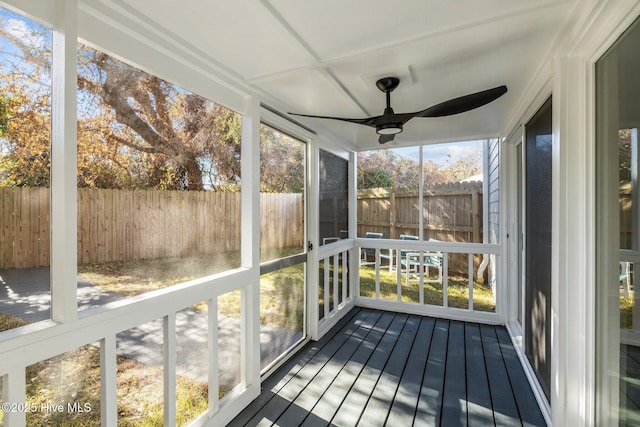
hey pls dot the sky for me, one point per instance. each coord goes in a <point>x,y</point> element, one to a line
<point>441,153</point>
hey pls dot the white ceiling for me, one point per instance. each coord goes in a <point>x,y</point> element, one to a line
<point>323,57</point>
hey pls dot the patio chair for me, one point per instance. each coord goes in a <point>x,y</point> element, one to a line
<point>344,234</point>
<point>414,262</point>
<point>366,253</point>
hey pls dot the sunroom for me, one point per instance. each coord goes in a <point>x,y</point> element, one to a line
<point>179,233</point>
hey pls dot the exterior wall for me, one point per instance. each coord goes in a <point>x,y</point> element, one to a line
<point>492,182</point>
<point>569,76</point>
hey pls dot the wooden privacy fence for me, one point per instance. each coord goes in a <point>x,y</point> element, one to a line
<point>452,212</point>
<point>126,225</point>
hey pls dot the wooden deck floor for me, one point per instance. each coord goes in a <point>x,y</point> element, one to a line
<point>380,368</point>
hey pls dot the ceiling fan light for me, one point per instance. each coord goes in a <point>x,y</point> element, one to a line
<point>389,129</point>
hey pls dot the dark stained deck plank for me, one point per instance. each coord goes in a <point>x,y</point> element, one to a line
<point>274,383</point>
<point>312,391</point>
<point>379,368</point>
<point>273,409</point>
<point>505,410</point>
<point>405,403</point>
<point>454,408</point>
<point>381,398</point>
<point>356,400</point>
<point>525,399</point>
<point>331,400</point>
<point>428,412</point>
<point>479,408</point>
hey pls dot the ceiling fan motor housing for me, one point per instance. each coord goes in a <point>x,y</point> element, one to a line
<point>389,128</point>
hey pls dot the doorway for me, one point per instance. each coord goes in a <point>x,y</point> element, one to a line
<point>536,258</point>
<point>283,249</point>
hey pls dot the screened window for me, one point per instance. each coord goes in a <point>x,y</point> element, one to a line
<point>158,182</point>
<point>25,164</point>
<point>334,198</point>
<point>618,239</point>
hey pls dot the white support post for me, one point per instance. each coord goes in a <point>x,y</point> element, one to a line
<point>169,353</point>
<point>64,306</point>
<point>108,387</point>
<point>354,254</point>
<point>421,196</point>
<point>250,245</point>
<point>312,234</point>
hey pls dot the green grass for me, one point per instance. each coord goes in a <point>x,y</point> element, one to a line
<point>75,377</point>
<point>626,312</point>
<point>282,298</point>
<point>457,290</point>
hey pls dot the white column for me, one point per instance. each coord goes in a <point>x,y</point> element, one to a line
<point>573,245</point>
<point>313,235</point>
<point>250,244</point>
<point>354,254</point>
<point>64,306</point>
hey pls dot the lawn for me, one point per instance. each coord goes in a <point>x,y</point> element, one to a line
<point>457,290</point>
<point>74,377</point>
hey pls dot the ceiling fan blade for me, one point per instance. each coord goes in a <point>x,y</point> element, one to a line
<point>368,121</point>
<point>463,103</point>
<point>386,138</point>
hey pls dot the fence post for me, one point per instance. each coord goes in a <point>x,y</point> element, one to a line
<point>392,214</point>
<point>476,217</point>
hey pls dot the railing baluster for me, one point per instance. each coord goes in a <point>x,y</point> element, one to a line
<point>15,392</point>
<point>470,282</point>
<point>445,279</point>
<point>336,295</point>
<point>398,282</point>
<point>108,382</point>
<point>421,280</point>
<point>345,279</point>
<point>377,265</point>
<point>326,284</point>
<point>169,354</point>
<point>214,368</point>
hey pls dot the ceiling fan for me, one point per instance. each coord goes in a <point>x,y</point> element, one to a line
<point>389,123</point>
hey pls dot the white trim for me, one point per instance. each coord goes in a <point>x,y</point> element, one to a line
<point>42,11</point>
<point>108,382</point>
<point>250,247</point>
<point>312,285</point>
<point>64,305</point>
<point>450,313</point>
<point>574,278</point>
<point>516,335</point>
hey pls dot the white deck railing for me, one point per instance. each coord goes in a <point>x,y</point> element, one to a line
<point>40,341</point>
<point>339,290</point>
<point>333,258</point>
<point>415,253</point>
